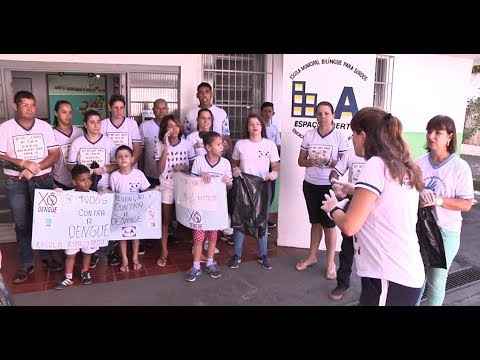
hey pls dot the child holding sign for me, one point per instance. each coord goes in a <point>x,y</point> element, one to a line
<point>128,180</point>
<point>210,165</point>
<point>81,180</point>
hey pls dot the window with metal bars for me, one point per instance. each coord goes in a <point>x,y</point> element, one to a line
<point>145,88</point>
<point>238,82</point>
<point>382,94</point>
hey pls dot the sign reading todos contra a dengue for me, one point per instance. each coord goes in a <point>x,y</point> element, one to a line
<point>344,80</point>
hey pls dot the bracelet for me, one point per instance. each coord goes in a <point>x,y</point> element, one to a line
<point>333,210</point>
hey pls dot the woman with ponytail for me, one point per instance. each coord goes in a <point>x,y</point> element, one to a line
<point>382,215</point>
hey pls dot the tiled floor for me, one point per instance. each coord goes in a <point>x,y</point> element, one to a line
<point>180,259</point>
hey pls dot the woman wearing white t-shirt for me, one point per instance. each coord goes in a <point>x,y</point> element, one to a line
<point>254,154</point>
<point>449,188</point>
<point>382,216</point>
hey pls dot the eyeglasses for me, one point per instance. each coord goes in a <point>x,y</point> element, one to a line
<point>25,105</point>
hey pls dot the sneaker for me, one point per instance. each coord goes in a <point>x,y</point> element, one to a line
<point>205,247</point>
<point>66,282</point>
<point>22,274</point>
<point>141,249</point>
<point>227,238</point>
<point>233,262</point>
<point>113,259</point>
<point>192,274</point>
<point>93,261</point>
<point>52,264</point>
<point>214,271</point>
<point>265,261</point>
<point>86,278</point>
<point>338,292</point>
<point>271,224</point>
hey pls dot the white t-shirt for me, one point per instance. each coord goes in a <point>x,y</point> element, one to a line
<point>273,134</point>
<point>220,121</point>
<point>31,144</point>
<point>351,162</point>
<point>61,173</point>
<point>179,154</point>
<point>386,246</point>
<point>197,143</point>
<point>84,152</point>
<point>125,134</point>
<point>329,146</point>
<point>452,178</point>
<point>255,157</point>
<point>134,182</point>
<point>221,168</point>
<point>149,131</point>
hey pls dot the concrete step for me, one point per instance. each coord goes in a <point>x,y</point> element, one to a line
<point>7,233</point>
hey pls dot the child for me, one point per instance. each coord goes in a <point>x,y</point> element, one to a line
<point>128,180</point>
<point>81,180</point>
<point>173,153</point>
<point>208,166</point>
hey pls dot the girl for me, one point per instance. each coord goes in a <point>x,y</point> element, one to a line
<point>254,154</point>
<point>65,133</point>
<point>210,165</point>
<point>449,188</point>
<point>127,180</point>
<point>173,153</point>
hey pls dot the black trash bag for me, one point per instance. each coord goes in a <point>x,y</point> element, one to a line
<point>6,298</point>
<point>249,203</point>
<point>430,239</point>
<point>9,165</point>
<point>95,178</point>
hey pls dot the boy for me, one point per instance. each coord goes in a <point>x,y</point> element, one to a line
<point>82,181</point>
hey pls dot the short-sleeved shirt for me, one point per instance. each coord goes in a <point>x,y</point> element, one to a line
<point>30,144</point>
<point>386,246</point>
<point>255,157</point>
<point>351,163</point>
<point>452,178</point>
<point>125,134</point>
<point>179,154</point>
<point>197,143</point>
<point>149,131</point>
<point>329,146</point>
<point>84,152</point>
<point>273,134</point>
<point>134,182</point>
<point>221,168</point>
<point>61,173</point>
<point>220,121</point>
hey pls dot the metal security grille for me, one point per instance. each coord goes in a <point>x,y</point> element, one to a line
<point>145,88</point>
<point>3,111</point>
<point>238,82</point>
<point>382,94</point>
<point>459,279</point>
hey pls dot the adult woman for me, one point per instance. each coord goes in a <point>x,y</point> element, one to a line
<point>254,154</point>
<point>382,215</point>
<point>65,133</point>
<point>319,153</point>
<point>449,188</point>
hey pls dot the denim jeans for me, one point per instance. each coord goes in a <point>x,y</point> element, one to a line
<point>20,195</point>
<point>238,238</point>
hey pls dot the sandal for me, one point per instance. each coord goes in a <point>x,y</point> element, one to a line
<point>124,268</point>
<point>302,265</point>
<point>137,266</point>
<point>162,261</point>
<point>331,274</point>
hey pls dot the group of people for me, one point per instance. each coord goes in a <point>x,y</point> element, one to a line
<point>375,208</point>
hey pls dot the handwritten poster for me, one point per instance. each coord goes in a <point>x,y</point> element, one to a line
<point>71,219</point>
<point>29,146</point>
<point>89,155</point>
<point>199,205</point>
<point>119,138</point>
<point>137,216</point>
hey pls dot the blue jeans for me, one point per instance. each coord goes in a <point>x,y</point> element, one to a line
<point>437,277</point>
<point>238,238</point>
<point>20,195</point>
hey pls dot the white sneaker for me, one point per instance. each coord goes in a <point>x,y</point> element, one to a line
<point>205,247</point>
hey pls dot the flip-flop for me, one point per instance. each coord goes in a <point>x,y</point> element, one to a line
<point>161,261</point>
<point>301,266</point>
<point>124,268</point>
<point>137,266</point>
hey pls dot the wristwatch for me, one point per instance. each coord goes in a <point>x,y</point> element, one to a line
<point>439,201</point>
